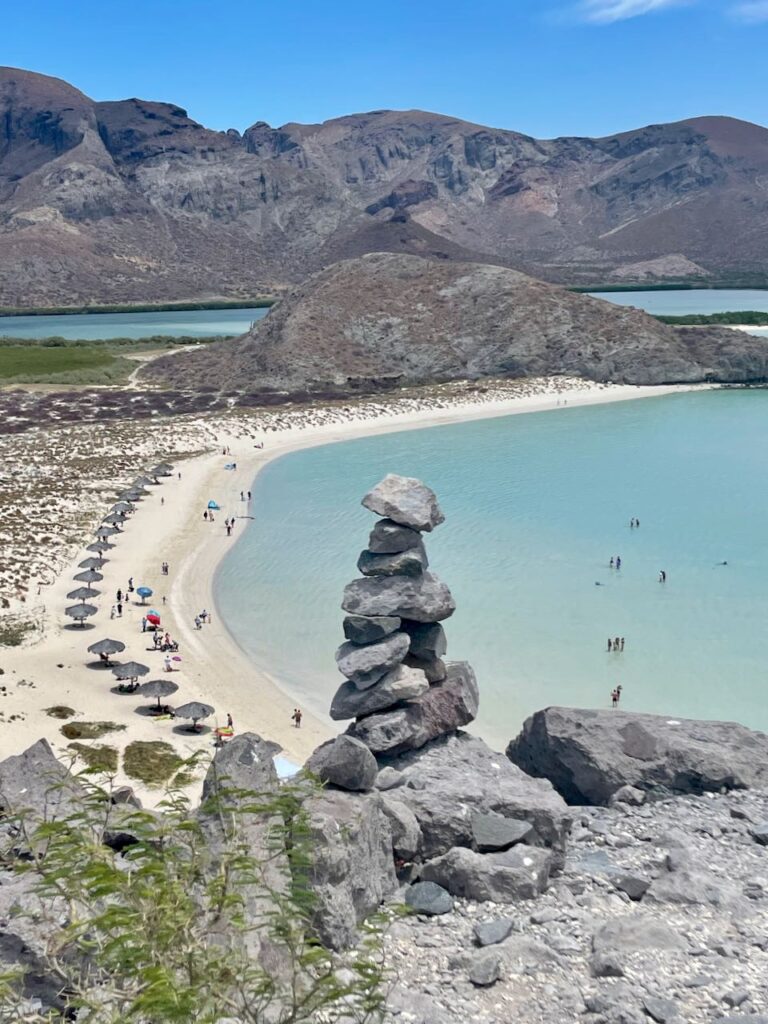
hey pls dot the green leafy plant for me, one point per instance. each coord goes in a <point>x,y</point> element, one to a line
<point>204,916</point>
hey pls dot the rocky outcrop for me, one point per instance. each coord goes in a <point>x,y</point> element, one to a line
<point>384,321</point>
<point>590,755</point>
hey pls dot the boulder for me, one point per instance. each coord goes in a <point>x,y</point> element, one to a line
<point>37,784</point>
<point>412,562</point>
<point>424,598</point>
<point>240,769</point>
<point>367,629</point>
<point>400,684</point>
<point>406,834</point>
<point>444,708</point>
<point>366,665</point>
<point>427,639</point>
<point>344,762</point>
<point>389,538</point>
<point>492,831</point>
<point>520,873</point>
<point>405,501</point>
<point>456,777</point>
<point>635,886</point>
<point>352,869</point>
<point>428,898</point>
<point>589,755</point>
<point>485,968</point>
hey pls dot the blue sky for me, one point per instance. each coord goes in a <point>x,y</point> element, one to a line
<point>545,67</point>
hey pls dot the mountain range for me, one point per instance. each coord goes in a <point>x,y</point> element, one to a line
<point>388,320</point>
<point>133,200</point>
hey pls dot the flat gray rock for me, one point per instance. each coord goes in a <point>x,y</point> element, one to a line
<point>389,538</point>
<point>412,562</point>
<point>434,669</point>
<point>485,968</point>
<point>424,598</point>
<point>489,933</point>
<point>389,778</point>
<point>444,708</point>
<point>428,898</point>
<point>367,629</point>
<point>589,755</point>
<point>635,932</point>
<point>454,778</point>
<point>659,1009</point>
<point>496,832</point>
<point>635,886</point>
<point>519,873</point>
<point>406,834</point>
<point>405,500</point>
<point>367,664</point>
<point>400,684</point>
<point>344,762</point>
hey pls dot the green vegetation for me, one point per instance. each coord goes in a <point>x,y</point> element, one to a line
<point>152,762</point>
<point>752,317</point>
<point>141,307</point>
<point>89,730</point>
<point>75,361</point>
<point>100,759</point>
<point>168,930</point>
<point>13,633</point>
<point>59,711</point>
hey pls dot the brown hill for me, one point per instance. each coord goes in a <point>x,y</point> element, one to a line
<point>385,320</point>
<point>133,200</point>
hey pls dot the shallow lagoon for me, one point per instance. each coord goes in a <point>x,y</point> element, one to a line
<point>535,506</point>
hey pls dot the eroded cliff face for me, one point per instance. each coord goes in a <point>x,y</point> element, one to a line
<point>386,320</point>
<point>134,200</point>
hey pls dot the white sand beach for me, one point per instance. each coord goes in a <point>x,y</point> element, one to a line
<point>168,525</point>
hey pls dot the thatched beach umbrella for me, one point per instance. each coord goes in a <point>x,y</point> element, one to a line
<point>92,563</point>
<point>82,593</point>
<point>106,647</point>
<point>158,688</point>
<point>133,495</point>
<point>99,546</point>
<point>105,531</point>
<point>80,612</point>
<point>130,670</point>
<point>162,469</point>
<point>88,576</point>
<point>122,506</point>
<point>194,710</point>
<point>114,518</point>
<point>143,481</point>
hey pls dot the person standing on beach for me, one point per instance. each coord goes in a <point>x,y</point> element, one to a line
<point>249,495</point>
<point>610,564</point>
<point>119,609</point>
<point>242,496</point>
<point>113,613</point>
<point>614,698</point>
<point>296,717</point>
<point>230,723</point>
<point>144,624</point>
<point>205,515</point>
<point>119,596</point>
<point>610,644</point>
<point>662,576</point>
<point>167,664</point>
<point>622,644</point>
<point>229,530</point>
<point>618,561</point>
<point>198,622</point>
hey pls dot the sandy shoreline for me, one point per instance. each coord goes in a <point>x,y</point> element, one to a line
<point>168,525</point>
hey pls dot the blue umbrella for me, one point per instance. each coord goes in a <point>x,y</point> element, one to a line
<point>144,593</point>
<point>153,611</point>
<point>213,505</point>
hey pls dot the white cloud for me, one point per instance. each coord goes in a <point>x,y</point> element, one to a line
<point>752,11</point>
<point>606,11</point>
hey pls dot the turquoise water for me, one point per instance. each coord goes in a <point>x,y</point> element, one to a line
<point>198,323</point>
<point>535,506</point>
<point>691,300</point>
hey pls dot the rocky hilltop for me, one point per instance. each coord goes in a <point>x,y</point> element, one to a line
<point>133,200</point>
<point>645,900</point>
<point>385,320</point>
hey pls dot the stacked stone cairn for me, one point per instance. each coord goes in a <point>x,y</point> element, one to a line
<point>399,690</point>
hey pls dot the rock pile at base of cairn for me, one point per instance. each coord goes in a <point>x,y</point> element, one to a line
<point>399,690</point>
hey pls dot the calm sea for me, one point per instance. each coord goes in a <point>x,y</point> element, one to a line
<point>198,323</point>
<point>535,507</point>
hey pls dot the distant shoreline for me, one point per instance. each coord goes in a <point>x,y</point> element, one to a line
<point>673,286</point>
<point>140,307</point>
